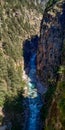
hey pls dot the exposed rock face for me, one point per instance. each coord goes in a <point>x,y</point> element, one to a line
<point>51,41</point>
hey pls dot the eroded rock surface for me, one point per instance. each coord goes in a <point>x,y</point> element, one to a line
<point>50,43</point>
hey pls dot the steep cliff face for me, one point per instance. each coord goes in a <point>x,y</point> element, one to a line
<point>55,114</point>
<point>19,20</point>
<point>50,61</point>
<point>51,42</point>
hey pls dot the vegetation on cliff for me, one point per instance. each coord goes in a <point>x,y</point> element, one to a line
<point>50,3</point>
<point>17,22</point>
<point>19,19</point>
<point>53,111</point>
<point>16,25</point>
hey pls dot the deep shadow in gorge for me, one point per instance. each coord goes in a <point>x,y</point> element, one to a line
<point>34,98</point>
<point>29,46</point>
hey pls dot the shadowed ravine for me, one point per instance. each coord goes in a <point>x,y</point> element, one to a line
<point>34,94</point>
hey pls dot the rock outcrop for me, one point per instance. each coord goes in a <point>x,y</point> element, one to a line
<point>51,42</point>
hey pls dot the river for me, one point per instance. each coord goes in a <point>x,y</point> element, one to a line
<point>34,98</point>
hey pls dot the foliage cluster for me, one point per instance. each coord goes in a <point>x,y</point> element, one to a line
<point>50,3</point>
<point>13,28</point>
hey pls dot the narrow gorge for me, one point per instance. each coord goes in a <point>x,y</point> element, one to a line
<point>32,65</point>
<point>34,89</point>
<point>44,61</point>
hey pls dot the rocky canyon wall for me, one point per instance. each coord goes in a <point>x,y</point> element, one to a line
<point>51,42</point>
